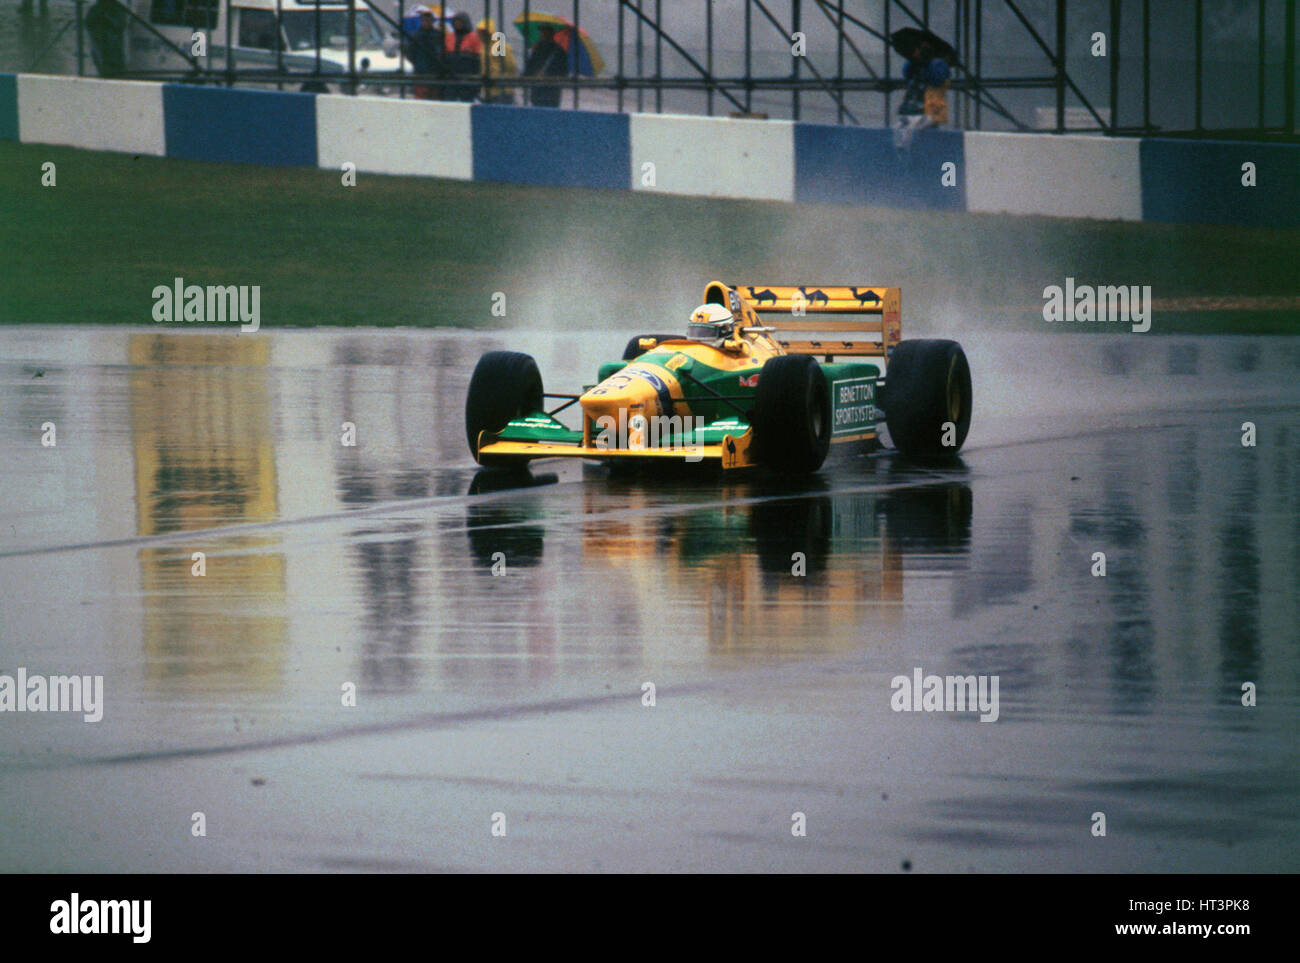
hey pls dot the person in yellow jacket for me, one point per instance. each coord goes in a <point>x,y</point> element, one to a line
<point>498,62</point>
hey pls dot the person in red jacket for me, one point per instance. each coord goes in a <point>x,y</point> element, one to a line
<point>464,53</point>
<point>462,38</point>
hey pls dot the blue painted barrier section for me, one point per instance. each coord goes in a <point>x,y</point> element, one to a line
<point>8,107</point>
<point>859,165</point>
<point>562,148</point>
<point>1200,182</point>
<point>240,126</point>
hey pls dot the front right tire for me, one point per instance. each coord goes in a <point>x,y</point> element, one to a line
<point>792,415</point>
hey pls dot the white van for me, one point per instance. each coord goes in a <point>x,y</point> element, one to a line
<point>252,23</point>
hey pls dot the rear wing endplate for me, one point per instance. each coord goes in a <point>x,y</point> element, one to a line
<point>865,319</point>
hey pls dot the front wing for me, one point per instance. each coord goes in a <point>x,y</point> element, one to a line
<point>734,451</point>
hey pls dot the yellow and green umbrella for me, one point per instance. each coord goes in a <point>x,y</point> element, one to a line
<point>585,60</point>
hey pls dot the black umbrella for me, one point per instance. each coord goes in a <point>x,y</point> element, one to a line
<point>915,43</point>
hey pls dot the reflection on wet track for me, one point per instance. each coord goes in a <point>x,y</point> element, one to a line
<point>498,630</point>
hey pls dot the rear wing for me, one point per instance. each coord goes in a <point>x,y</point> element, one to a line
<point>866,320</point>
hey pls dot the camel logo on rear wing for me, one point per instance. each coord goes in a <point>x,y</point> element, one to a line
<point>868,318</point>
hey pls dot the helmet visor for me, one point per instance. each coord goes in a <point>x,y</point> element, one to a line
<point>707,332</point>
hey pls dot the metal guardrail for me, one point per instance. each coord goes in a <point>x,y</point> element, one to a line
<point>641,27</point>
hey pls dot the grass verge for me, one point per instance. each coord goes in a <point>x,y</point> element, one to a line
<point>424,252</point>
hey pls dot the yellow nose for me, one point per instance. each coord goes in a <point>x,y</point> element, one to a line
<point>634,390</point>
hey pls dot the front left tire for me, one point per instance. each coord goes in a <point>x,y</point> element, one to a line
<point>928,389</point>
<point>505,385</point>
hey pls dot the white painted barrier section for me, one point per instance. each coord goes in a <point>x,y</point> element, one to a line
<point>1065,176</point>
<point>713,156</point>
<point>383,135</point>
<point>113,115</point>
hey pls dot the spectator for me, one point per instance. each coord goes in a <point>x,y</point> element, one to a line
<point>464,57</point>
<point>937,73</point>
<point>496,65</point>
<point>926,102</point>
<point>546,59</point>
<point>424,51</point>
<point>106,27</point>
<point>462,38</point>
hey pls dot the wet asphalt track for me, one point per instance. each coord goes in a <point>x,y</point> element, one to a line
<point>521,693</point>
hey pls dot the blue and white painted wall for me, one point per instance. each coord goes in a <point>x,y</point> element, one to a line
<point>1152,179</point>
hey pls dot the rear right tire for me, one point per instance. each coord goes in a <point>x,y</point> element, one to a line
<point>634,349</point>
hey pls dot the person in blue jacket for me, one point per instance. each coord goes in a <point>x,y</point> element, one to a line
<point>424,51</point>
<point>925,103</point>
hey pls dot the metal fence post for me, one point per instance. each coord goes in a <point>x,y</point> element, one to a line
<point>1060,66</point>
<point>889,5</point>
<point>1199,55</point>
<point>659,57</point>
<point>1113,53</point>
<point>352,45</point>
<point>279,44</point>
<point>81,45</point>
<point>230,46</point>
<point>1262,79</point>
<point>839,63</point>
<point>749,84</point>
<point>795,11</point>
<point>708,42</point>
<point>1288,72</point>
<point>1146,66</point>
<point>979,58</point>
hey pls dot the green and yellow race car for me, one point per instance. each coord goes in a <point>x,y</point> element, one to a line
<point>736,391</point>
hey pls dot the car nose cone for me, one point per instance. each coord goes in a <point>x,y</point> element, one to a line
<point>638,388</point>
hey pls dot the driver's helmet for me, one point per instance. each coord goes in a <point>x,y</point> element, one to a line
<point>711,324</point>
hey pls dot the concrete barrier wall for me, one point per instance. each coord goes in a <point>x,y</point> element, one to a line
<point>1066,176</point>
<point>386,136</point>
<point>112,115</point>
<point>1155,179</point>
<point>1202,182</point>
<point>713,156</point>
<point>241,126</point>
<point>8,107</point>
